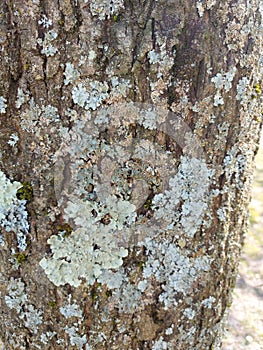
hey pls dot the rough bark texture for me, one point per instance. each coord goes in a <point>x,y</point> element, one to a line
<point>121,223</point>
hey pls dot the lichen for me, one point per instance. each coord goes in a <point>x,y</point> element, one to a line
<point>161,344</point>
<point>91,95</point>
<point>76,339</point>
<point>13,213</point>
<point>13,140</point>
<point>3,104</point>
<point>45,22</point>
<point>173,269</point>
<point>16,298</point>
<point>35,118</point>
<point>223,82</point>
<point>186,186</point>
<point>70,309</point>
<point>71,74</point>
<point>47,44</point>
<point>105,8</point>
<point>22,97</point>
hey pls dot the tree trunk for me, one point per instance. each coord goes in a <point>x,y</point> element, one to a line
<point>128,134</point>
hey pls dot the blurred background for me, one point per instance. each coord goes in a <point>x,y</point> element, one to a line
<point>245,325</point>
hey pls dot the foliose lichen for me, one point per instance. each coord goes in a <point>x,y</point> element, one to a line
<point>3,104</point>
<point>16,298</point>
<point>105,8</point>
<point>13,213</point>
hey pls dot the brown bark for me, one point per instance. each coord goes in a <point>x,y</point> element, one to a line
<point>131,127</point>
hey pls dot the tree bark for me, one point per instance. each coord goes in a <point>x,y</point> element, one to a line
<point>128,134</point>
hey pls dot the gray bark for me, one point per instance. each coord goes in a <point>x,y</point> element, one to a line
<point>128,134</point>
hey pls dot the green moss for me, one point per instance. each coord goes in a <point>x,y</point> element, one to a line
<point>20,258</point>
<point>52,304</point>
<point>116,18</point>
<point>25,192</point>
<point>61,22</point>
<point>65,228</point>
<point>95,291</point>
<point>257,89</point>
<point>148,204</point>
<point>141,265</point>
<point>108,293</point>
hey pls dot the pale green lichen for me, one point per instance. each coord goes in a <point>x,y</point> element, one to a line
<point>13,139</point>
<point>173,268</point>
<point>3,104</point>
<point>187,186</point>
<point>37,117</point>
<point>161,344</point>
<point>76,339</point>
<point>209,302</point>
<point>46,337</point>
<point>105,8</point>
<point>223,82</point>
<point>22,98</point>
<point>8,193</point>
<point>16,298</point>
<point>13,213</point>
<point>83,255</point>
<point>32,318</point>
<point>91,94</point>
<point>71,74</point>
<point>70,310</point>
<point>47,44</point>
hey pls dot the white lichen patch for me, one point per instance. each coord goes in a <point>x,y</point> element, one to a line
<point>17,299</point>
<point>76,339</point>
<point>13,214</point>
<point>160,344</point>
<point>200,8</point>
<point>209,302</point>
<point>83,255</point>
<point>3,104</point>
<point>13,140</point>
<point>16,296</point>
<point>36,117</point>
<point>169,330</point>
<point>8,193</point>
<point>223,82</point>
<point>175,270</point>
<point>105,8</point>
<point>22,98</point>
<point>70,310</point>
<point>189,313</point>
<point>32,317</point>
<point>242,88</point>
<point>47,44</point>
<point>16,220</point>
<point>189,185</point>
<point>71,74</point>
<point>91,94</point>
<point>45,22</point>
<point>45,337</point>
